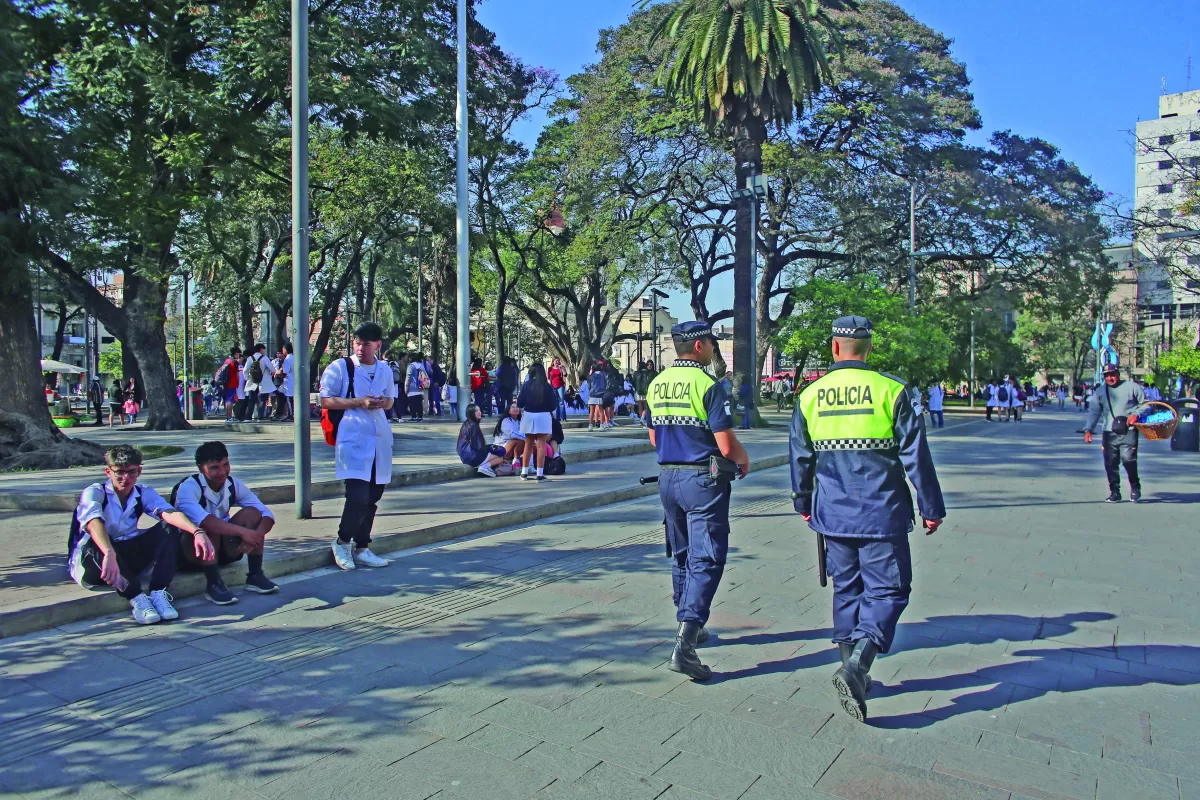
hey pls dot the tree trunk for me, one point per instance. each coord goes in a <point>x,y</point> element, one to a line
<point>748,161</point>
<point>146,338</point>
<point>60,331</point>
<point>247,312</point>
<point>28,437</point>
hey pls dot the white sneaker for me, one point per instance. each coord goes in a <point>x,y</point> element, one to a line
<point>161,600</point>
<point>366,558</point>
<point>524,474</point>
<point>343,554</point>
<point>591,427</point>
<point>486,469</point>
<point>143,611</point>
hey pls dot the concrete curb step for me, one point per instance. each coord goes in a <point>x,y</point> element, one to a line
<point>322,490</point>
<point>48,613</point>
<point>572,424</point>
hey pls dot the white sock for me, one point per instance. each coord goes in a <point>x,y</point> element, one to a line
<point>541,472</point>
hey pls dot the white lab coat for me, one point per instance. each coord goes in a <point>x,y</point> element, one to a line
<point>364,435</point>
<point>289,375</point>
<point>936,397</point>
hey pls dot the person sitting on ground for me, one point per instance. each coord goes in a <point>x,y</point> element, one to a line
<point>473,449</point>
<point>207,498</point>
<point>537,401</point>
<point>106,545</point>
<point>507,433</point>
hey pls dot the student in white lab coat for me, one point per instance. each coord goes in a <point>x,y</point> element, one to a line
<point>364,441</point>
<point>289,383</point>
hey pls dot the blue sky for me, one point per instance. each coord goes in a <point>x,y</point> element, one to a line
<point>1078,73</point>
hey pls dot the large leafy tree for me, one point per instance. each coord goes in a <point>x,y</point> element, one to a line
<point>746,65</point>
<point>33,186</point>
<point>164,99</point>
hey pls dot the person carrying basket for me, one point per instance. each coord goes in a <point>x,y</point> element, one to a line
<point>1118,405</point>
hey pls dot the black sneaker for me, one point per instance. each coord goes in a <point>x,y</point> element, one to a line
<point>220,594</point>
<point>541,477</point>
<point>261,584</point>
<point>1135,497</point>
<point>1115,497</point>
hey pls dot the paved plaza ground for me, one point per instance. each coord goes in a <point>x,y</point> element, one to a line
<point>1051,650</point>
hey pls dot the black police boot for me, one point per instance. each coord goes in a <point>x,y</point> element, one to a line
<point>846,649</point>
<point>684,659</point>
<point>852,681</point>
<point>702,637</point>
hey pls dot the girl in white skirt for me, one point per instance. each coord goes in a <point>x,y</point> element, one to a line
<point>537,401</point>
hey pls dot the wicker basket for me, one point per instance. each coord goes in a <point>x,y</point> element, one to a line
<point>1159,430</point>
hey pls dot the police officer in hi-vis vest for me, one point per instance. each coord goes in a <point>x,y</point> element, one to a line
<point>855,436</point>
<point>690,424</point>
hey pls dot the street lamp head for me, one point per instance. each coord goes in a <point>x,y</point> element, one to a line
<point>659,293</point>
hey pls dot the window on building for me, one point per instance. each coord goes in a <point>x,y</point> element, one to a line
<point>1193,284</point>
<point>107,339</point>
<point>1164,213</point>
<point>1166,188</point>
<point>1162,284</point>
<point>1194,136</point>
<point>1166,164</point>
<point>1168,139</point>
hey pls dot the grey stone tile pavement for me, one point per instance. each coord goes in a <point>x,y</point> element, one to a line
<point>1050,651</point>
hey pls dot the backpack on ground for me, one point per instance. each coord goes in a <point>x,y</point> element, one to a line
<point>332,418</point>
<point>77,530</point>
<point>254,372</point>
<point>555,466</point>
<point>1002,394</point>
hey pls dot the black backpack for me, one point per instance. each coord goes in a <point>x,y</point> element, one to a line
<point>1002,394</point>
<point>77,530</point>
<point>255,371</point>
<point>555,466</point>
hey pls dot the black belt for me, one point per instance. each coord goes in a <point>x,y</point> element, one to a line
<point>703,465</point>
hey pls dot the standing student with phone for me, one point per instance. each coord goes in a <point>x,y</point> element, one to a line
<point>364,441</point>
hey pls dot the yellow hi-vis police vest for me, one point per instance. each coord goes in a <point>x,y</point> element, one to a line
<point>676,397</point>
<point>851,409</point>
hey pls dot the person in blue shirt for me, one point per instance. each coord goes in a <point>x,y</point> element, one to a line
<point>689,425</point>
<point>746,400</point>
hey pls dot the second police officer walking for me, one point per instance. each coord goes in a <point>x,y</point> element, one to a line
<point>690,424</point>
<point>855,437</point>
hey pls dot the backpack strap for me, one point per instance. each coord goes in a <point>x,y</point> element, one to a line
<point>349,376</point>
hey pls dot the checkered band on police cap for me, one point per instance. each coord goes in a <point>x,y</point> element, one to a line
<point>690,331</point>
<point>852,327</point>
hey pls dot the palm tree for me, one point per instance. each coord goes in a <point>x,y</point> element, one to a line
<point>746,65</point>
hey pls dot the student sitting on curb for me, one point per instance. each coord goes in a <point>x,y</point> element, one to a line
<point>473,448</point>
<point>207,498</point>
<point>106,545</point>
<point>507,433</point>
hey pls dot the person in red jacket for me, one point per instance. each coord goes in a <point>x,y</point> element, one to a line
<point>559,384</point>
<point>479,379</point>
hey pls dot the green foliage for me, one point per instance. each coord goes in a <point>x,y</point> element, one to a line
<point>110,361</point>
<point>915,348</point>
<point>1182,358</point>
<point>750,63</point>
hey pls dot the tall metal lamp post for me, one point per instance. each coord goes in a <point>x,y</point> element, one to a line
<point>462,227</point>
<point>302,437</point>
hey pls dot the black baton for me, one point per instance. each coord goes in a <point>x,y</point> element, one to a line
<point>822,574</point>
<point>650,479</point>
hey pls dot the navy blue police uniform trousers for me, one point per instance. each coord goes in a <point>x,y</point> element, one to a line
<point>872,580</point>
<point>697,517</point>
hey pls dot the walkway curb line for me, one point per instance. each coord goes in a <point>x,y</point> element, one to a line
<point>323,490</point>
<point>104,602</point>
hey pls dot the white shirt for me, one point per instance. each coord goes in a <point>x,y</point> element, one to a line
<point>936,396</point>
<point>364,435</point>
<point>1013,402</point>
<point>267,386</point>
<point>289,375</point>
<point>450,393</point>
<point>241,387</point>
<point>99,501</point>
<point>992,399</point>
<point>509,429</point>
<point>197,504</point>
